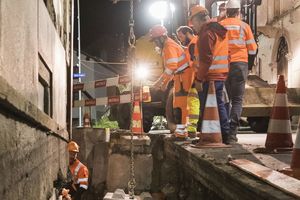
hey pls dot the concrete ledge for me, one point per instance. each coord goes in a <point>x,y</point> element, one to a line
<point>14,102</point>
<point>210,168</point>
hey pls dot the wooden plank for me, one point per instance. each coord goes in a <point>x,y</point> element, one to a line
<point>281,181</point>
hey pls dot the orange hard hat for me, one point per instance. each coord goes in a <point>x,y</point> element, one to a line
<point>73,146</point>
<point>196,10</point>
<point>157,31</point>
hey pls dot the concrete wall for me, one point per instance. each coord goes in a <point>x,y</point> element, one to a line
<point>30,160</point>
<point>278,18</point>
<point>32,146</point>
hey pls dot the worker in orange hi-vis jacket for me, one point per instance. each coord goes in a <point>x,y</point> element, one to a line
<point>242,52</point>
<point>79,173</point>
<point>187,38</point>
<point>177,68</point>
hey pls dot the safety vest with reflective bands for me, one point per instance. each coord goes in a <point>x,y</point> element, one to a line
<point>240,39</point>
<point>219,67</point>
<point>174,59</point>
<point>193,57</point>
<point>80,174</point>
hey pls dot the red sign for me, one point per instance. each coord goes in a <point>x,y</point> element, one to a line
<point>77,87</point>
<point>113,100</point>
<point>145,97</point>
<point>90,102</point>
<point>124,79</point>
<point>101,83</point>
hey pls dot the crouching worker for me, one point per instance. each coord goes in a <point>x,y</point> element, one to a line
<point>79,172</point>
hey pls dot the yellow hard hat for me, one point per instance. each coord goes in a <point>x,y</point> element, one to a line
<point>197,10</point>
<point>73,146</point>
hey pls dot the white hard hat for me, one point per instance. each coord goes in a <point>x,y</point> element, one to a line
<point>233,4</point>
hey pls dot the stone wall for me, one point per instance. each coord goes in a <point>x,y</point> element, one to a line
<point>29,160</point>
<point>32,143</point>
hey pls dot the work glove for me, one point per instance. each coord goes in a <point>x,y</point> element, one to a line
<point>198,86</point>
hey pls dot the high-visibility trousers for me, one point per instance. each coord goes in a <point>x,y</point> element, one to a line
<point>182,85</point>
<point>194,110</point>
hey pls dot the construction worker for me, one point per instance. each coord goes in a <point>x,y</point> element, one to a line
<point>222,13</point>
<point>187,38</point>
<point>177,68</point>
<point>213,61</point>
<point>242,52</point>
<point>79,173</point>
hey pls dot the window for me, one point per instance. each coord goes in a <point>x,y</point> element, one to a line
<point>44,88</point>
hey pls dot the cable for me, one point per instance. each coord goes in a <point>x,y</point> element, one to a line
<point>91,69</point>
<point>103,62</point>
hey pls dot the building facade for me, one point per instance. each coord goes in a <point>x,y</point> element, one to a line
<point>279,41</point>
<point>35,60</point>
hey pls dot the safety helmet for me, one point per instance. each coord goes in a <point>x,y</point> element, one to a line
<point>233,4</point>
<point>157,31</point>
<point>197,10</point>
<point>73,146</point>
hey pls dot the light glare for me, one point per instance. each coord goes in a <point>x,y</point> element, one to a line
<point>160,9</point>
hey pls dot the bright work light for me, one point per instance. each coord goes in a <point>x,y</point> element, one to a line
<point>159,9</point>
<point>141,72</point>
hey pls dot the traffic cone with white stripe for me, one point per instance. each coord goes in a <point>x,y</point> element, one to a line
<point>211,129</point>
<point>279,135</point>
<point>294,170</point>
<point>136,127</point>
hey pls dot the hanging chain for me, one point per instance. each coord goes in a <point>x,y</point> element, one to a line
<point>131,38</point>
<point>131,42</point>
<point>132,182</point>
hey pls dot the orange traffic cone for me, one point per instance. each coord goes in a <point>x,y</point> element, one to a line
<point>86,120</point>
<point>211,129</point>
<point>136,127</point>
<point>294,170</point>
<point>279,134</point>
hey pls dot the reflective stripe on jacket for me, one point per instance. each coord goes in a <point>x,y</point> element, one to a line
<point>80,174</point>
<point>220,59</point>
<point>240,39</point>
<point>174,59</point>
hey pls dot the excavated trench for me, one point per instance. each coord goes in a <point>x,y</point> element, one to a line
<point>167,169</point>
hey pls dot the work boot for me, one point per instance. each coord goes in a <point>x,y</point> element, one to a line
<point>192,134</point>
<point>230,139</point>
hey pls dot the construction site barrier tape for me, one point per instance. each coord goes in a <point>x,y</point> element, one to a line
<point>125,98</point>
<point>102,83</point>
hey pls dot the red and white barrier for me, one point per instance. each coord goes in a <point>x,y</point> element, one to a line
<point>125,98</point>
<point>102,83</point>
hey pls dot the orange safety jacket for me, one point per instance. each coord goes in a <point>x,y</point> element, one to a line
<point>220,59</point>
<point>213,52</point>
<point>174,60</point>
<point>192,52</point>
<point>80,174</point>
<point>240,39</point>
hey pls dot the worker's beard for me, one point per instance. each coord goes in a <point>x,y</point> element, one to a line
<point>186,42</point>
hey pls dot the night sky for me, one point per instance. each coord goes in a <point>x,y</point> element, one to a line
<point>100,18</point>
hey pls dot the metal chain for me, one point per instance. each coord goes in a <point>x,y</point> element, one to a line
<point>131,42</point>
<point>131,38</point>
<point>131,182</point>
